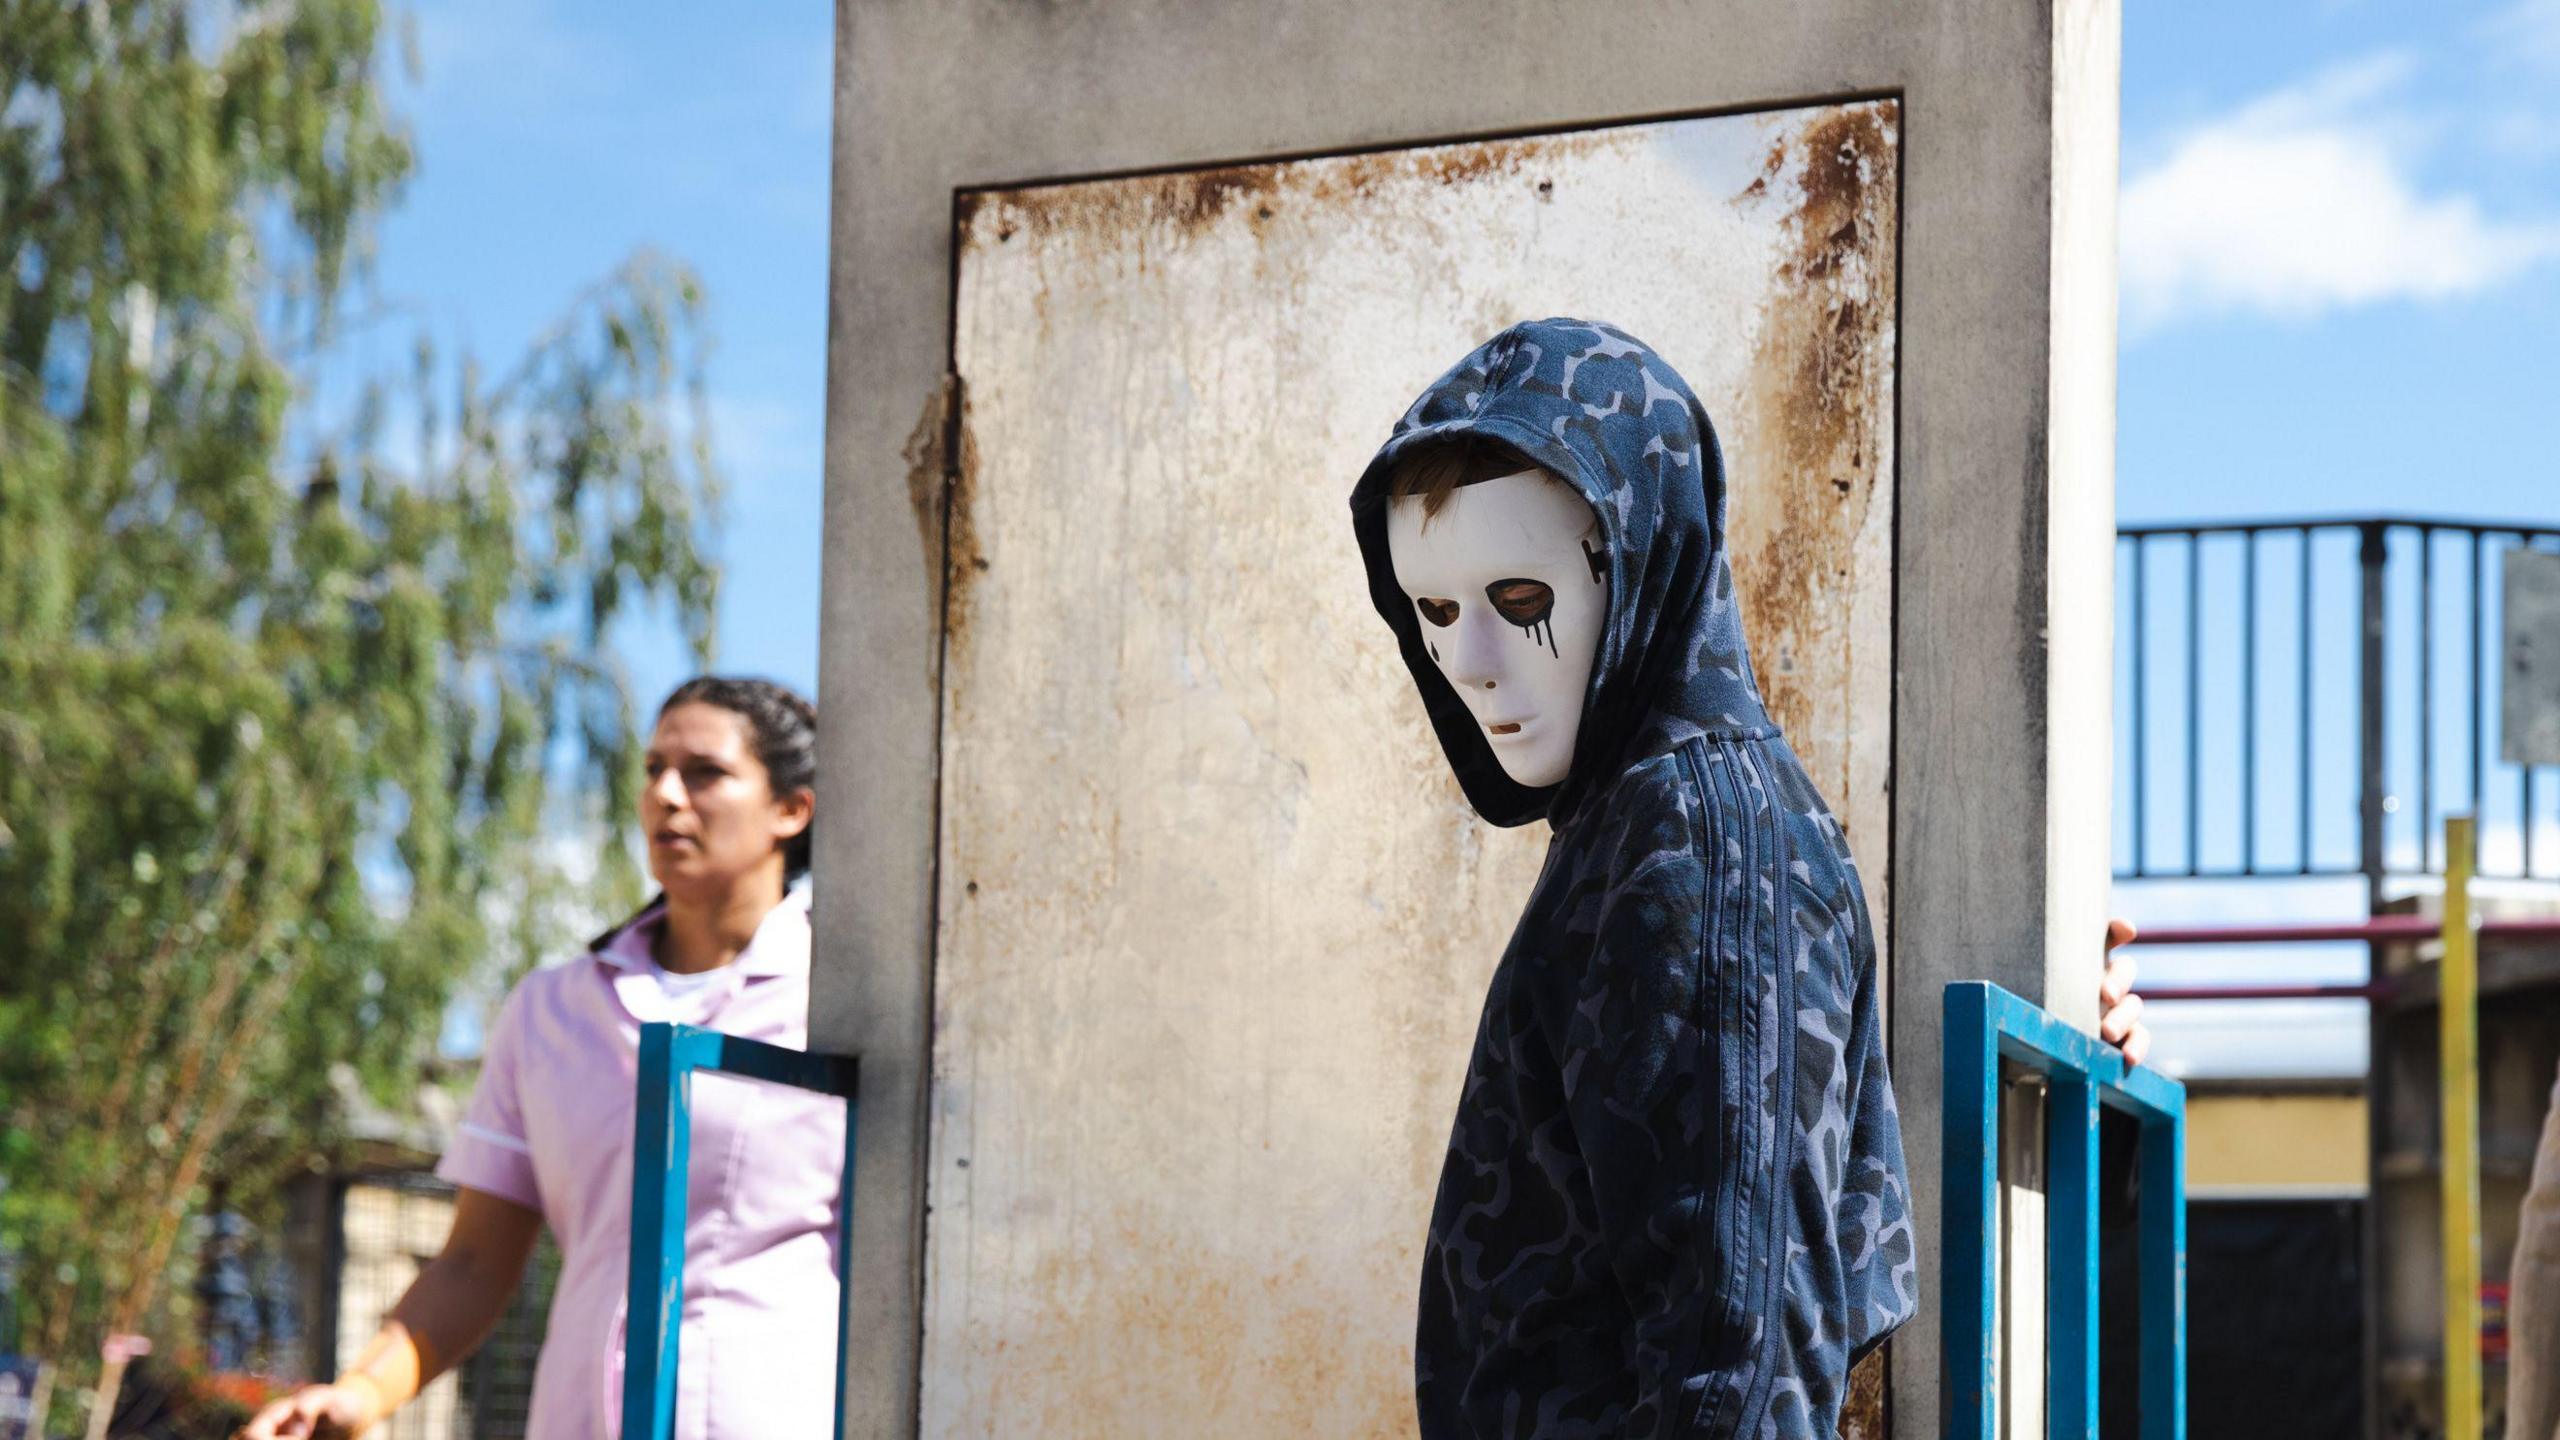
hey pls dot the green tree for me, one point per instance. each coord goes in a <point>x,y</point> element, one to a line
<point>288,702</point>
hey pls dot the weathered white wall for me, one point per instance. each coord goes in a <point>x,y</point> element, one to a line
<point>1214,921</point>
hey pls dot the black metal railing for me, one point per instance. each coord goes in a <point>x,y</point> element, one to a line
<point>2284,696</point>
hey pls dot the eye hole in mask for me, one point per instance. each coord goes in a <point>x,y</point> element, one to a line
<point>1529,604</point>
<point>1443,613</point>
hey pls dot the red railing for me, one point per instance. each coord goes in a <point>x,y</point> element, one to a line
<point>2380,929</point>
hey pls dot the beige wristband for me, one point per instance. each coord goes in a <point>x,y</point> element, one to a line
<point>375,1408</point>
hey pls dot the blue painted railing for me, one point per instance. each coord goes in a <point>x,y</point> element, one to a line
<point>662,1147</point>
<point>1984,1026</point>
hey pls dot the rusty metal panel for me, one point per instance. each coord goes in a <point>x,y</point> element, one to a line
<point>1214,921</point>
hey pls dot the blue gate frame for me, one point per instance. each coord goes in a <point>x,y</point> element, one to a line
<point>662,1149</point>
<point>1984,1026</point>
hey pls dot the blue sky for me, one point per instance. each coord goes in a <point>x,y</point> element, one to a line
<point>555,139</point>
<point>2341,280</point>
<point>2340,258</point>
<point>2340,222</point>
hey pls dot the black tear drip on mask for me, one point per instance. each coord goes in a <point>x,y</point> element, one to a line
<point>1517,608</point>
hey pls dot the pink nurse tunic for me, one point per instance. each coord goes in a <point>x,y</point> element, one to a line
<point>549,1127</point>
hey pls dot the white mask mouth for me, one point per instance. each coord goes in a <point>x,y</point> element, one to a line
<point>1509,587</point>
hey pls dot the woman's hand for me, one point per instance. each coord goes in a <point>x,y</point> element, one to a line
<point>2119,1009</point>
<point>444,1315</point>
<point>316,1412</point>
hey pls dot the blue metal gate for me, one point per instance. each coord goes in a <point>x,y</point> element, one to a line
<point>1985,1026</point>
<point>663,1136</point>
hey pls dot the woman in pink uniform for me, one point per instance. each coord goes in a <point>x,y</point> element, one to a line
<point>547,1140</point>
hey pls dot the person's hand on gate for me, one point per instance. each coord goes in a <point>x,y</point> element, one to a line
<point>2119,1009</point>
<point>316,1412</point>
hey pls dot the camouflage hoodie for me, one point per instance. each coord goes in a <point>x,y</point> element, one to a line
<point>1674,1200</point>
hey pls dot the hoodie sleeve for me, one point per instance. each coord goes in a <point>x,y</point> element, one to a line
<point>1722,1074</point>
<point>1854,1257</point>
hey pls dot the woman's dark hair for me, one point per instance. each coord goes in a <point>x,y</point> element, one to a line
<point>782,726</point>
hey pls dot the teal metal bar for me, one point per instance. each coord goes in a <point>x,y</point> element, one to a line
<point>1986,1026</point>
<point>2071,1291</point>
<point>2164,1278</point>
<point>662,1145</point>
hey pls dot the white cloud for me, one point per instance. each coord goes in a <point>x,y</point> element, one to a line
<point>2305,201</point>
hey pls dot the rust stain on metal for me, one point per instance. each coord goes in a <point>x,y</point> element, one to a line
<point>964,550</point>
<point>1862,1406</point>
<point>1819,394</point>
<point>1185,203</point>
<point>928,468</point>
<point>1199,198</point>
<point>942,465</point>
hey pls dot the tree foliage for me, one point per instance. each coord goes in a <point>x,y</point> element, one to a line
<point>289,700</point>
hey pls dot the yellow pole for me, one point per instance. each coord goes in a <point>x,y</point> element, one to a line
<point>2457,1011</point>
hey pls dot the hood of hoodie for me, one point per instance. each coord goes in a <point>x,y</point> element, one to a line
<point>1603,412</point>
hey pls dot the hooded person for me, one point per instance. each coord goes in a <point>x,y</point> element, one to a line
<point>1674,1201</point>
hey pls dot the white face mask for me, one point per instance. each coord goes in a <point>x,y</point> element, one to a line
<point>1509,583</point>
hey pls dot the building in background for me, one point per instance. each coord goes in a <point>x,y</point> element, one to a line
<point>2300,706</point>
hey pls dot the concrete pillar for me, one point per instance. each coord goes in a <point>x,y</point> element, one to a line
<point>2003,554</point>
